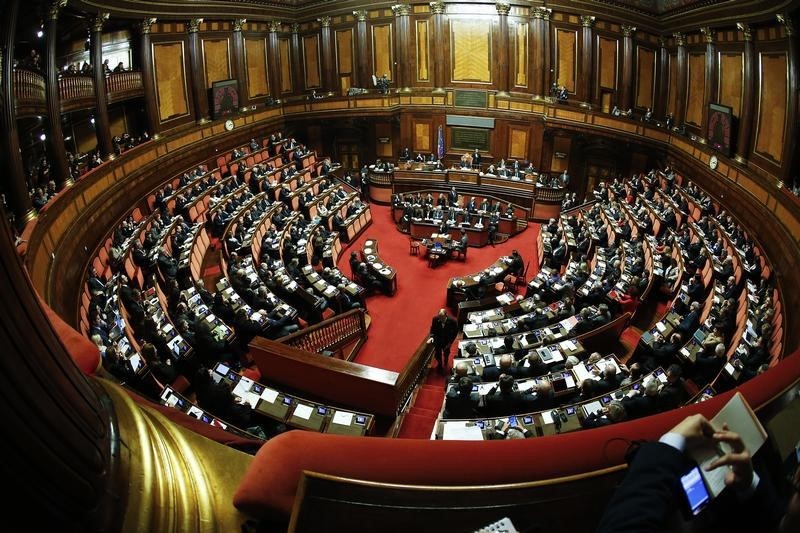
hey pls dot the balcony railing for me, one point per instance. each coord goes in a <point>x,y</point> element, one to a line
<point>76,92</point>
<point>124,85</point>
<point>29,91</point>
<point>342,335</point>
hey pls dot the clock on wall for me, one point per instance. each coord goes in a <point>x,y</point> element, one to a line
<point>713,162</point>
<point>229,124</point>
<point>224,98</point>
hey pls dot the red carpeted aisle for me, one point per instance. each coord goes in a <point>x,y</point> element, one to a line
<point>418,422</point>
<point>402,321</point>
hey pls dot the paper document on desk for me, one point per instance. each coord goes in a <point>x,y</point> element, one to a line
<point>269,395</point>
<point>242,387</point>
<point>581,372</point>
<point>458,430</point>
<point>568,346</point>
<point>343,418</point>
<point>547,417</point>
<point>303,411</point>
<point>593,407</point>
<point>740,419</point>
<point>252,399</point>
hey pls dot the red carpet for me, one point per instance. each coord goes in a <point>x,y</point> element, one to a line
<point>401,322</point>
<point>417,426</point>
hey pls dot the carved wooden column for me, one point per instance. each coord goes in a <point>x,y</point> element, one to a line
<point>790,142</point>
<point>148,78</point>
<point>13,175</point>
<point>660,107</point>
<point>438,8</point>
<point>56,150</point>
<point>710,76</point>
<point>626,90</point>
<point>587,56</point>
<point>199,92</point>
<point>681,67</point>
<point>239,67</point>
<point>274,59</point>
<point>102,124</point>
<point>297,61</point>
<point>403,39</point>
<point>748,95</point>
<point>328,64</point>
<point>537,70</point>
<point>363,71</point>
<point>547,67</point>
<point>502,48</point>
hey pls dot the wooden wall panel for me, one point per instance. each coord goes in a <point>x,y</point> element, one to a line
<point>672,86</point>
<point>255,52</point>
<point>216,60</point>
<point>344,58</point>
<point>607,50</point>
<point>773,69</point>
<point>170,76</point>
<point>311,61</point>
<point>731,65</point>
<point>422,137</point>
<point>423,62</point>
<point>518,143</point>
<point>645,76</point>
<point>561,146</point>
<point>285,59</point>
<point>521,55</point>
<point>118,123</point>
<point>696,90</point>
<point>566,52</point>
<point>471,46</point>
<point>382,55</point>
<point>384,149</point>
<point>344,51</point>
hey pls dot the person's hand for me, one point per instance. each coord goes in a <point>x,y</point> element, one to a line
<point>696,429</point>
<point>738,459</point>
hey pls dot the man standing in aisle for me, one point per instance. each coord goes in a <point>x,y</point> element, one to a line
<point>443,333</point>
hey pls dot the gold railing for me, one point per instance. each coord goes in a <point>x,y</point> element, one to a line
<point>29,88</point>
<point>332,335</point>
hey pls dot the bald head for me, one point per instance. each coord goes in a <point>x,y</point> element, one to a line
<point>461,369</point>
<point>506,361</point>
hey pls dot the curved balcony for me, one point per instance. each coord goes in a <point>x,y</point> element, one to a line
<point>124,85</point>
<point>29,92</point>
<point>76,92</point>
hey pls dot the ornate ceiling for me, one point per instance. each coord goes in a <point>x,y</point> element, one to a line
<point>661,7</point>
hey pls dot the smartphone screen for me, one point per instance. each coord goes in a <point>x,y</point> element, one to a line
<point>512,421</point>
<point>695,489</point>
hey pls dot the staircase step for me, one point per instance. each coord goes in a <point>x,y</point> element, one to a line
<point>416,427</point>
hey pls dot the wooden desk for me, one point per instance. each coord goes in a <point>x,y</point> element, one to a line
<point>386,273</point>
<point>422,229</point>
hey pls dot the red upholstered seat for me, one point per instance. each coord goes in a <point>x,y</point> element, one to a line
<point>268,488</point>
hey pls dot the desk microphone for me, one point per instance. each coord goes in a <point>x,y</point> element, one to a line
<point>556,420</point>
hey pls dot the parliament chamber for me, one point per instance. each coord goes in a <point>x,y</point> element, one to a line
<point>225,196</point>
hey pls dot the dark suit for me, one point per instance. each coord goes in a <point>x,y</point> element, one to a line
<point>459,406</point>
<point>640,406</point>
<point>651,492</point>
<point>443,334</point>
<point>514,402</point>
